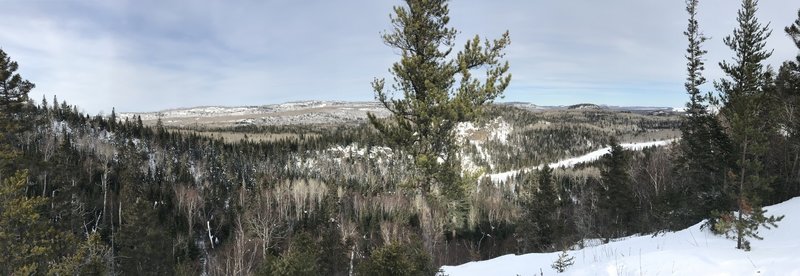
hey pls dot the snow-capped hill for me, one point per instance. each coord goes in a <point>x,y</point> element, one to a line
<point>692,251</point>
<point>202,111</point>
<point>526,106</point>
<point>586,106</point>
<point>305,112</point>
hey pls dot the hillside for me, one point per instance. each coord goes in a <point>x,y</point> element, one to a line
<point>312,113</point>
<point>692,251</point>
<point>291,113</point>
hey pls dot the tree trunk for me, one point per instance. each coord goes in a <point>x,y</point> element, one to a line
<point>210,237</point>
<point>741,201</point>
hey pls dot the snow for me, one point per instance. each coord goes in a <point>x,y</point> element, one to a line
<point>571,162</point>
<point>306,112</point>
<point>355,149</point>
<point>691,251</point>
<point>499,130</point>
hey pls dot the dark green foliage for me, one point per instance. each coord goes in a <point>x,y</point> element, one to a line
<point>398,259</point>
<point>616,202</point>
<point>747,114</point>
<point>26,237</point>
<point>144,242</point>
<point>302,258</point>
<point>93,257</point>
<point>794,31</point>
<point>787,89</point>
<point>541,228</point>
<point>705,149</point>
<point>14,118</point>
<point>431,105</point>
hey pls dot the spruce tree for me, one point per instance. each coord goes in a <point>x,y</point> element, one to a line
<point>538,228</point>
<point>544,208</point>
<point>743,95</point>
<point>616,195</point>
<point>701,162</point>
<point>432,103</point>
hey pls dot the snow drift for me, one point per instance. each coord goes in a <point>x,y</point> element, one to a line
<point>691,251</point>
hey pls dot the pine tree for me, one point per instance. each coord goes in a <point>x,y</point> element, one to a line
<point>745,108</point>
<point>701,162</point>
<point>44,103</point>
<point>397,259</point>
<point>26,236</point>
<point>616,196</point>
<point>563,262</point>
<point>423,120</point>
<point>794,32</point>
<point>13,106</point>
<point>541,213</point>
<point>142,246</point>
<point>547,199</point>
<point>539,226</point>
<point>112,120</point>
<point>93,257</point>
<point>695,108</point>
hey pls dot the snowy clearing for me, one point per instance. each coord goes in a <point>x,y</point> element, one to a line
<point>571,162</point>
<point>691,251</point>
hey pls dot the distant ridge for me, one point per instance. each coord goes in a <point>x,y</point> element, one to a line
<point>322,112</point>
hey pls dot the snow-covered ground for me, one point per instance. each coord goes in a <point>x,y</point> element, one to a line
<point>571,162</point>
<point>691,251</point>
<point>305,112</point>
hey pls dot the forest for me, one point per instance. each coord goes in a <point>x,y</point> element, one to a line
<point>89,194</point>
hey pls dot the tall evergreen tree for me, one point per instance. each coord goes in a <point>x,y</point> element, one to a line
<point>13,104</point>
<point>539,228</point>
<point>743,95</point>
<point>547,202</point>
<point>432,104</point>
<point>695,108</point>
<point>701,162</point>
<point>143,245</point>
<point>616,195</point>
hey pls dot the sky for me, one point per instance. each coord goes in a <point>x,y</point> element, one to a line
<point>147,55</point>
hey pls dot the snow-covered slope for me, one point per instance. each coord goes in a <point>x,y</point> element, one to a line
<point>306,112</point>
<point>691,251</point>
<point>302,112</point>
<point>571,162</point>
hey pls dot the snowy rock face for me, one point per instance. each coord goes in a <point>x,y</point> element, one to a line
<point>692,251</point>
<point>469,135</point>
